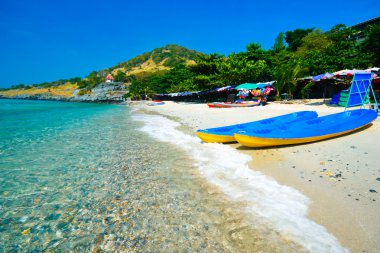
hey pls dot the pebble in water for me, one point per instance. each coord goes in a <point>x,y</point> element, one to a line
<point>23,219</point>
<point>26,231</point>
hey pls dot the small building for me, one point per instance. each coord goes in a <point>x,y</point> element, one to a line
<point>109,78</point>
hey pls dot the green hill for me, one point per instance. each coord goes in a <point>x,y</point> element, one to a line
<point>159,59</point>
<point>163,58</point>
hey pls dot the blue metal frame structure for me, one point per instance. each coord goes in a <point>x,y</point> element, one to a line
<point>359,92</point>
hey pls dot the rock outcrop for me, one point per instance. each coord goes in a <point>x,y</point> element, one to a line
<point>103,92</point>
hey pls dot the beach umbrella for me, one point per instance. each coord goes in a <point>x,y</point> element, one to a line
<point>253,86</point>
<point>322,76</point>
<point>247,86</point>
<point>266,84</point>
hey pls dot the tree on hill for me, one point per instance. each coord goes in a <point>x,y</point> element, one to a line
<point>345,52</point>
<point>371,45</point>
<point>120,76</point>
<point>294,38</point>
<point>312,53</point>
<point>207,64</point>
<point>176,79</point>
<point>169,55</point>
<point>279,43</point>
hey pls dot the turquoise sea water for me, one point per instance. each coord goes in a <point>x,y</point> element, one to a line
<point>81,177</point>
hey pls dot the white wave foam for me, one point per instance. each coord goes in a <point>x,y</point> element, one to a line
<point>283,207</point>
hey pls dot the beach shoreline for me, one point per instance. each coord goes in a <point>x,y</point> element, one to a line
<point>339,176</point>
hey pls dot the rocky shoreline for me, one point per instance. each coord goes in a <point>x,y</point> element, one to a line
<point>101,93</point>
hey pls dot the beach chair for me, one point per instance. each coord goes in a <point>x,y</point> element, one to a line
<point>359,92</point>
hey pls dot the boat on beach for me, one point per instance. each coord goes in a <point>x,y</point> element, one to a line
<point>225,134</point>
<point>311,130</point>
<point>156,102</point>
<point>233,105</point>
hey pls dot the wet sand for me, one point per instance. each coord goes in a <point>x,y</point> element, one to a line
<point>340,176</point>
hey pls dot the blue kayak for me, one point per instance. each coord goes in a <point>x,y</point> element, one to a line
<point>317,129</point>
<point>225,134</point>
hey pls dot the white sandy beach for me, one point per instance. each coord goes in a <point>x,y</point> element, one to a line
<point>340,176</point>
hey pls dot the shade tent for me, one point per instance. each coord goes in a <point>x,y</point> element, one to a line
<point>224,88</point>
<point>322,76</point>
<point>374,69</point>
<point>253,86</point>
<point>344,72</point>
<point>350,72</point>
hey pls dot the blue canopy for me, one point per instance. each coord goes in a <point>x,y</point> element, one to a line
<point>253,86</point>
<point>322,76</point>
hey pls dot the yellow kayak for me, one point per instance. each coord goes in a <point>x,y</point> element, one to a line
<point>225,134</point>
<point>311,130</point>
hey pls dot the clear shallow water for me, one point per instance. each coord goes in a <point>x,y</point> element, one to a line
<point>82,177</point>
<point>88,177</point>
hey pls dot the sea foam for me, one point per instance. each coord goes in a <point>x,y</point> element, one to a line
<point>283,207</point>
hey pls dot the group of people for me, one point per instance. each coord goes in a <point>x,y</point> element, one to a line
<point>255,93</point>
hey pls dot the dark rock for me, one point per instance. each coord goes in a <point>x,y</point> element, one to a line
<point>62,225</point>
<point>44,229</point>
<point>34,239</point>
<point>108,219</point>
<point>53,216</point>
<point>372,190</point>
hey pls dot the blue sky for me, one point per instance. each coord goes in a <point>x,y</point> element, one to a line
<point>47,40</point>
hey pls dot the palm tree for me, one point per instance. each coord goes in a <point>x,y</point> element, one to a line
<point>286,77</point>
